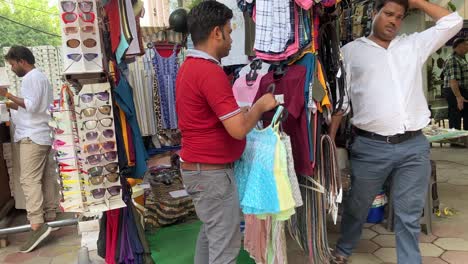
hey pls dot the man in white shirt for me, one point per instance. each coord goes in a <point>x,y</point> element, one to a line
<point>384,78</point>
<point>32,136</point>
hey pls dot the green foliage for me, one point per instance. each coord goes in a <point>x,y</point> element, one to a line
<point>22,11</point>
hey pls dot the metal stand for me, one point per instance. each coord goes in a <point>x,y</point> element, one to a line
<point>26,228</point>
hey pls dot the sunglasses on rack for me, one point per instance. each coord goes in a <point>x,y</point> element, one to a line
<point>69,17</point>
<point>97,171</point>
<point>94,135</point>
<point>76,29</point>
<point>68,6</point>
<point>86,6</point>
<point>75,43</point>
<point>89,97</point>
<point>111,177</point>
<point>77,56</point>
<point>100,192</point>
<point>91,111</point>
<point>95,159</point>
<point>92,124</point>
<point>96,147</point>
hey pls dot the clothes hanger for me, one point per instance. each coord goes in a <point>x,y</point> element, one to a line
<point>252,75</point>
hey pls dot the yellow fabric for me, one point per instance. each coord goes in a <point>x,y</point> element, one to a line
<point>326,100</point>
<point>123,123</point>
<point>283,185</point>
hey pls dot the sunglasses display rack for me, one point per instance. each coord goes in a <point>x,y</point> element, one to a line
<point>85,144</point>
<point>98,146</point>
<point>81,39</point>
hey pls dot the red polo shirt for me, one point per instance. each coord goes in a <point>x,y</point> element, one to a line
<point>204,98</point>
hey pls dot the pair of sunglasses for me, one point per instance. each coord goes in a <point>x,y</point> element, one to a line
<point>94,135</point>
<point>91,111</point>
<point>89,97</point>
<point>96,147</point>
<point>100,192</point>
<point>78,56</point>
<point>75,43</point>
<point>92,124</point>
<point>111,177</point>
<point>59,131</point>
<point>72,17</point>
<point>98,158</point>
<point>75,29</point>
<point>70,6</point>
<point>97,171</point>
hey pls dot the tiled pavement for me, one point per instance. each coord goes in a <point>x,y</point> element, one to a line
<point>447,244</point>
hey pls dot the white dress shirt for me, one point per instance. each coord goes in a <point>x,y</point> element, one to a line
<point>33,122</point>
<point>385,85</point>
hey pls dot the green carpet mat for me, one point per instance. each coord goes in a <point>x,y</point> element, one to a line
<point>176,245</point>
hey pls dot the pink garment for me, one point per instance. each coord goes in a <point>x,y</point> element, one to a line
<point>290,50</point>
<point>305,4</point>
<point>245,91</point>
<point>255,237</point>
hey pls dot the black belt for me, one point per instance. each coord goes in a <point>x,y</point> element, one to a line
<point>395,139</point>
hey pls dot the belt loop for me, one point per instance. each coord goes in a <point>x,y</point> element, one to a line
<point>198,167</point>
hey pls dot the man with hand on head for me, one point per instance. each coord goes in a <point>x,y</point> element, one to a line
<point>384,78</point>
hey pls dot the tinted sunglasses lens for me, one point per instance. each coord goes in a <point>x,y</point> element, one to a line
<point>74,56</point>
<point>94,159</point>
<point>86,6</point>
<point>89,112</point>
<point>71,30</point>
<point>87,17</point>
<point>112,177</point>
<point>73,43</point>
<point>110,156</point>
<point>89,43</point>
<point>69,17</point>
<point>95,171</point>
<point>105,109</point>
<point>88,29</point>
<point>90,56</point>
<point>59,131</point>
<point>112,167</point>
<point>108,133</point>
<point>108,145</point>
<point>92,148</point>
<point>103,96</point>
<point>114,190</point>
<point>98,193</point>
<point>68,6</point>
<point>96,180</point>
<point>86,98</point>
<point>90,124</point>
<point>92,135</point>
<point>106,122</point>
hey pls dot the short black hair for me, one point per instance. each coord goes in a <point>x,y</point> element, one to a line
<point>204,17</point>
<point>18,53</point>
<point>458,41</point>
<point>379,4</point>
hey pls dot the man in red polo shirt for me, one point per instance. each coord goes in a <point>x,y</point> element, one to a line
<point>213,131</point>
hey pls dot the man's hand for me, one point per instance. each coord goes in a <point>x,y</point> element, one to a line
<point>415,4</point>
<point>3,91</point>
<point>267,102</point>
<point>460,101</point>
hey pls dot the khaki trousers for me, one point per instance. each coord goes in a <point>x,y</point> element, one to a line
<point>38,182</point>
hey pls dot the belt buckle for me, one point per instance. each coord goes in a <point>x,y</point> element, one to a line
<point>388,140</point>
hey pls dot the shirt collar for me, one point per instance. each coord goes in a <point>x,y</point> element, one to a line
<point>194,53</point>
<point>370,42</point>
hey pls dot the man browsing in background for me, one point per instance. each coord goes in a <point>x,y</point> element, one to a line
<point>384,77</point>
<point>32,139</point>
<point>456,84</point>
<point>213,129</point>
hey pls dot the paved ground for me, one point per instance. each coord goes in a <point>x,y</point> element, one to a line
<point>447,244</point>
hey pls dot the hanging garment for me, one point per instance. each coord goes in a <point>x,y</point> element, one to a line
<point>166,72</point>
<point>291,87</point>
<point>255,237</point>
<point>124,98</point>
<point>255,174</point>
<point>245,91</point>
<point>296,192</point>
<point>272,25</point>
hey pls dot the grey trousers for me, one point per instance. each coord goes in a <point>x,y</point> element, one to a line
<point>372,162</point>
<point>216,201</point>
